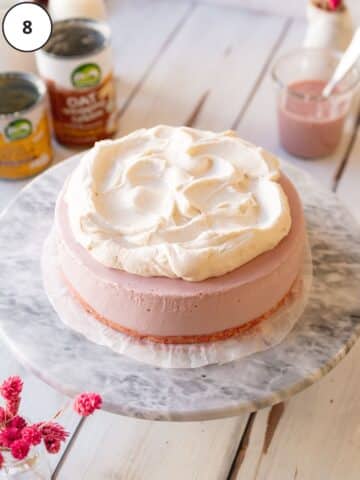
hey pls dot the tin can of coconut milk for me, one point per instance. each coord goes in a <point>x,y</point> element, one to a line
<point>77,67</point>
<point>25,143</point>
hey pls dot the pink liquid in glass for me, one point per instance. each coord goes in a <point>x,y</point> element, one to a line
<point>310,126</point>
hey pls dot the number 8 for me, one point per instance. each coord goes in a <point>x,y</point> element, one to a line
<point>27,27</point>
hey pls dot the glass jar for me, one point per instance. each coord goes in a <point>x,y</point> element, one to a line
<point>311,126</point>
<point>34,467</point>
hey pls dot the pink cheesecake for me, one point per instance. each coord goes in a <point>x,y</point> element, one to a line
<point>175,310</point>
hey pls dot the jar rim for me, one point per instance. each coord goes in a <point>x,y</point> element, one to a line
<point>335,54</point>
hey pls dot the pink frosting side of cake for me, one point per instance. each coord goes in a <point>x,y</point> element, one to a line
<point>166,307</point>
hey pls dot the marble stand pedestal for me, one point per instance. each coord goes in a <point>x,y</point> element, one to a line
<point>66,360</point>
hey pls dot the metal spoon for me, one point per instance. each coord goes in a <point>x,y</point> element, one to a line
<point>350,57</point>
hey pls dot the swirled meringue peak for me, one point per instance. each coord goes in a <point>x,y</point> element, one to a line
<point>177,202</point>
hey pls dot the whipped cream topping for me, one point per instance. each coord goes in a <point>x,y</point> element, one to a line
<point>177,202</point>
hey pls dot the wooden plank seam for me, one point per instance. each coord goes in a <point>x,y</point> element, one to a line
<point>188,13</point>
<point>263,72</point>
<point>344,162</point>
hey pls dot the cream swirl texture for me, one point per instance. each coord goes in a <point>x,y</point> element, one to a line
<point>177,202</point>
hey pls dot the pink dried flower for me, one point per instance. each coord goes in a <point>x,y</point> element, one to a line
<point>1,461</point>
<point>31,435</point>
<point>86,403</point>
<point>52,445</point>
<point>17,422</point>
<point>335,4</point>
<point>3,416</point>
<point>11,388</point>
<point>8,436</point>
<point>20,449</point>
<point>12,406</point>
<point>52,431</point>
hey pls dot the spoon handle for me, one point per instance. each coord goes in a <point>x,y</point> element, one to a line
<point>349,59</point>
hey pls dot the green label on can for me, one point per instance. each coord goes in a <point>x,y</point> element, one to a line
<point>86,76</point>
<point>18,129</point>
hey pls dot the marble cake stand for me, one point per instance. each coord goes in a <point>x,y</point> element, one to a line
<point>326,331</point>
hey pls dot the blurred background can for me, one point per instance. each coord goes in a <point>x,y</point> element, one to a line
<point>25,143</point>
<point>77,67</point>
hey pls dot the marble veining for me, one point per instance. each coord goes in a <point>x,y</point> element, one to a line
<point>328,328</point>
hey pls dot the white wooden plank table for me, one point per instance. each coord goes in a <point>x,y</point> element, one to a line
<point>206,65</point>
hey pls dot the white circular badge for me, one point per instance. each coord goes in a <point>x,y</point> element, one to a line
<point>27,26</point>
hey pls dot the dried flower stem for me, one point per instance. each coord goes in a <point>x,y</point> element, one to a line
<point>62,410</point>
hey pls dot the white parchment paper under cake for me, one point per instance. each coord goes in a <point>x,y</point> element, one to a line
<point>265,335</point>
